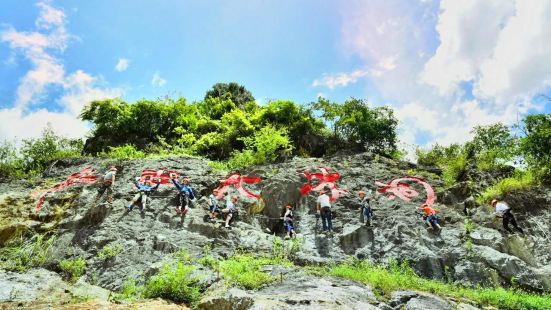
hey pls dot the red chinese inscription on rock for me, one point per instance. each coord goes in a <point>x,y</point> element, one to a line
<point>402,189</point>
<point>162,175</point>
<point>323,179</point>
<point>237,181</point>
<point>86,176</point>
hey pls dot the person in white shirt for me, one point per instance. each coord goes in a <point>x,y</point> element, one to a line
<point>230,210</point>
<point>503,211</point>
<point>323,205</point>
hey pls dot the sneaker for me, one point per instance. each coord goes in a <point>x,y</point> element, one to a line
<point>129,208</point>
<point>227,226</point>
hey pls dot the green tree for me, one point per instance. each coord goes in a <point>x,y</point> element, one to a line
<point>536,144</point>
<point>238,94</point>
<point>38,153</point>
<point>305,131</point>
<point>358,127</point>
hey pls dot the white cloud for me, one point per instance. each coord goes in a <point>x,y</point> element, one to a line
<point>42,48</point>
<point>16,123</point>
<point>340,79</point>
<point>122,65</point>
<point>500,47</point>
<point>468,31</point>
<point>519,66</point>
<point>157,80</point>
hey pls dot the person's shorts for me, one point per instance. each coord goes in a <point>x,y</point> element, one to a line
<point>289,226</point>
<point>214,208</point>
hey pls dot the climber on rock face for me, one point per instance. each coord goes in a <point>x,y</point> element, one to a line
<point>185,194</point>
<point>430,217</point>
<point>107,183</point>
<point>503,211</point>
<point>323,205</point>
<point>288,221</point>
<point>231,210</point>
<point>143,191</point>
<point>214,207</point>
<point>365,208</point>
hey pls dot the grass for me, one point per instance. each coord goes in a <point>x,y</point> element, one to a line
<point>25,254</point>
<point>245,270</point>
<point>174,282</point>
<point>520,181</point>
<point>453,169</point>
<point>130,291</point>
<point>110,251</point>
<point>73,268</point>
<point>392,277</point>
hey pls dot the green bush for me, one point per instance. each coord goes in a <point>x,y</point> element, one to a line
<point>535,146</point>
<point>25,254</point>
<point>454,169</point>
<point>38,153</point>
<point>110,251</point>
<point>73,268</point>
<point>395,276</point>
<point>183,256</point>
<point>520,181</point>
<point>265,146</point>
<point>130,291</point>
<point>11,164</point>
<point>245,270</point>
<point>174,282</point>
<point>356,126</point>
<point>127,151</point>
<point>286,249</point>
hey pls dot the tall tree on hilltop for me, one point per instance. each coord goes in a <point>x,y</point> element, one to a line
<point>233,91</point>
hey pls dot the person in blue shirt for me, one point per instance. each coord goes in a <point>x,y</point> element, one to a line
<point>144,189</point>
<point>214,206</point>
<point>186,194</point>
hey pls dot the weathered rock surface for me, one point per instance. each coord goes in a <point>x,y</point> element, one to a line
<point>85,224</point>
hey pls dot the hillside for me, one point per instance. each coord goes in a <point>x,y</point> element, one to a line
<point>116,249</point>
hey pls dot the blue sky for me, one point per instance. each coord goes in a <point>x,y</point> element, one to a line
<point>443,66</point>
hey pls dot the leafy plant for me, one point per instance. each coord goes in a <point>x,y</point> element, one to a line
<point>130,291</point>
<point>394,276</point>
<point>110,251</point>
<point>174,282</point>
<point>245,270</point>
<point>520,181</point>
<point>73,268</point>
<point>127,151</point>
<point>25,254</point>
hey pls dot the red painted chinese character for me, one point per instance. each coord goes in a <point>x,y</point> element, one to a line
<point>324,178</point>
<point>403,190</point>
<point>236,180</point>
<point>86,176</point>
<point>162,175</point>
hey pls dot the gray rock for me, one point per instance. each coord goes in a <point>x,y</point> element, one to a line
<point>428,302</point>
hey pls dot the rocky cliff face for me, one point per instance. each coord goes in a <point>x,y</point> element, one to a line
<point>471,254</point>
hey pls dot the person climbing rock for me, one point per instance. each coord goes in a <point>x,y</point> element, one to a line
<point>107,183</point>
<point>186,194</point>
<point>430,217</point>
<point>503,211</point>
<point>231,210</point>
<point>365,208</point>
<point>214,207</point>
<point>144,189</point>
<point>288,221</point>
<point>323,205</point>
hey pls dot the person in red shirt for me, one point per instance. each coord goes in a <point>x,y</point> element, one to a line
<point>430,217</point>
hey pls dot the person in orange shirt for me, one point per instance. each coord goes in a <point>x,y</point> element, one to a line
<point>430,217</point>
